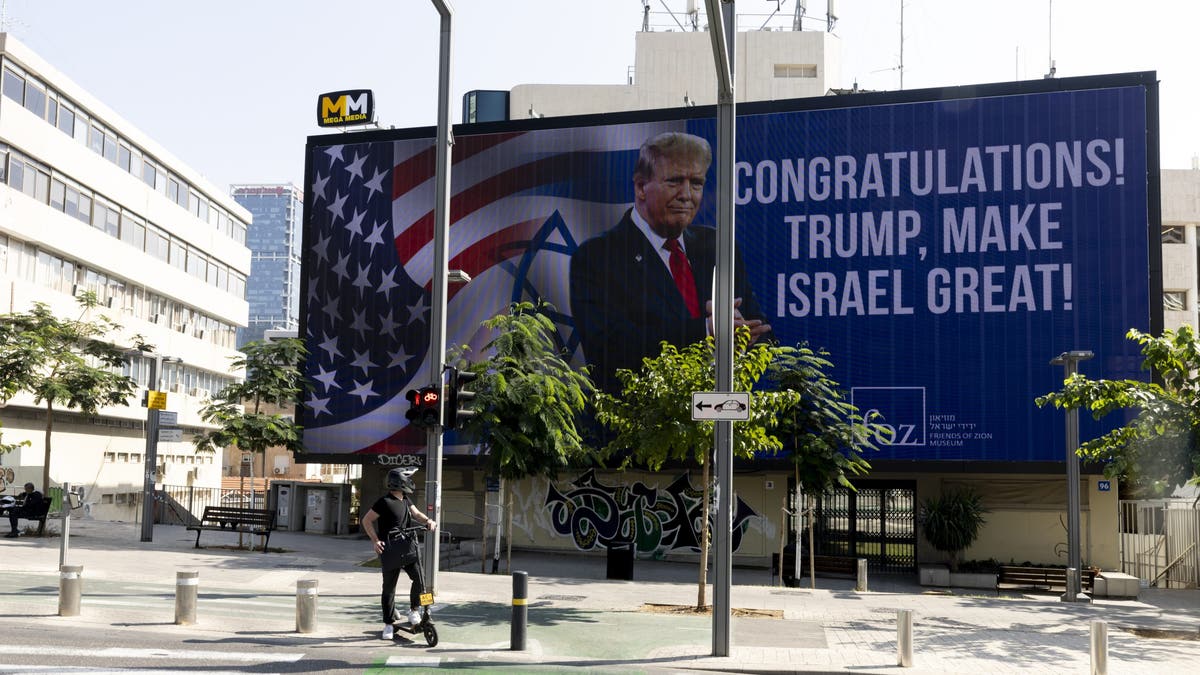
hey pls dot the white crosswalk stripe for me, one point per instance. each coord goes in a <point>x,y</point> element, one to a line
<point>130,653</point>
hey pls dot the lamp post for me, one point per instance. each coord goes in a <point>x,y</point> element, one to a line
<point>1070,363</point>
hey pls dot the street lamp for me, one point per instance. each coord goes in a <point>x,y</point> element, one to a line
<point>155,400</point>
<point>1070,363</point>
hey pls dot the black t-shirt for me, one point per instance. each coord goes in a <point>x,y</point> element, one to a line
<point>394,515</point>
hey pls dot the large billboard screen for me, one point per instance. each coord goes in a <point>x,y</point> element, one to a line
<point>942,246</point>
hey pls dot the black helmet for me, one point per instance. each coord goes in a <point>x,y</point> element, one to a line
<point>401,479</point>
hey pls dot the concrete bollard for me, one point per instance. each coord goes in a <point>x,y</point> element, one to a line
<point>904,638</point>
<point>861,584</point>
<point>187,587</point>
<point>1099,644</point>
<point>70,587</point>
<point>306,605</point>
<point>520,610</point>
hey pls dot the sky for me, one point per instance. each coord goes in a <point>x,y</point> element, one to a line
<point>230,88</point>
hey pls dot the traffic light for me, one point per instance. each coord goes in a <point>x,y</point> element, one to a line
<point>424,406</point>
<point>457,397</point>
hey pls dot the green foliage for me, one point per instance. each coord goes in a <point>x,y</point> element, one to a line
<point>826,430</point>
<point>65,362</point>
<point>951,521</point>
<point>6,448</point>
<point>1160,448</point>
<point>527,396</point>
<point>652,417</point>
<point>272,370</point>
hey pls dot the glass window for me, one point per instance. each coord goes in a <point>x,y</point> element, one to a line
<point>41,186</point>
<point>57,194</point>
<point>133,231</point>
<point>173,189</point>
<point>16,173</point>
<point>195,204</point>
<point>124,157</point>
<point>52,110</point>
<point>1175,301</point>
<point>112,223</point>
<point>66,120</point>
<point>1174,234</point>
<point>35,98</point>
<point>71,202</point>
<point>99,213</point>
<point>110,147</point>
<point>82,127</point>
<point>178,254</point>
<point>3,164</point>
<point>96,139</point>
<point>14,86</point>
<point>148,173</point>
<point>85,207</point>
<point>135,162</point>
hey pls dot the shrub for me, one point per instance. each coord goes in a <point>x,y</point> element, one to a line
<point>951,521</point>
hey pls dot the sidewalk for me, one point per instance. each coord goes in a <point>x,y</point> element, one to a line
<point>577,618</point>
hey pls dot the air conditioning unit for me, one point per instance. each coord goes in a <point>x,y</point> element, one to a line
<point>279,471</point>
<point>198,392</point>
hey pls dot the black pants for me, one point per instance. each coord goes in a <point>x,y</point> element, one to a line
<point>15,514</point>
<point>388,599</point>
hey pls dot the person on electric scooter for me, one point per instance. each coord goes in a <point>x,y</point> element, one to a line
<point>390,514</point>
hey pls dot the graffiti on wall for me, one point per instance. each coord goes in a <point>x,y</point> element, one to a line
<point>654,519</point>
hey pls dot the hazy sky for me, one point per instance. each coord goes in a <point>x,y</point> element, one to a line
<point>230,87</point>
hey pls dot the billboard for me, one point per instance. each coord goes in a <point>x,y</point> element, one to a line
<point>942,245</point>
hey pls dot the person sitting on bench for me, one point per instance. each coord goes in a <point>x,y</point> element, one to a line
<point>29,507</point>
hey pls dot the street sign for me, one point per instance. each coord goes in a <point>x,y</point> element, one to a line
<point>721,405</point>
<point>170,434</point>
<point>168,418</point>
<point>156,399</point>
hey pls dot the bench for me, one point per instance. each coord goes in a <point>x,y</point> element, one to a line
<point>1041,578</point>
<point>40,516</point>
<point>825,565</point>
<point>236,519</point>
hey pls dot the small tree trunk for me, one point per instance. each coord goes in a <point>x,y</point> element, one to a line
<point>811,513</point>
<point>483,533</point>
<point>508,542</point>
<point>700,603</point>
<point>499,525</point>
<point>46,454</point>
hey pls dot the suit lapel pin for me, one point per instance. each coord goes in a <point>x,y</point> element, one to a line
<point>637,258</point>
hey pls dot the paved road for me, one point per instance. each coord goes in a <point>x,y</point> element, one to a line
<point>246,617</point>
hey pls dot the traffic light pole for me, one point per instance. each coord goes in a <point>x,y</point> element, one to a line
<point>437,319</point>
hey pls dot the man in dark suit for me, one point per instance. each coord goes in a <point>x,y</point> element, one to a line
<point>29,506</point>
<point>649,278</point>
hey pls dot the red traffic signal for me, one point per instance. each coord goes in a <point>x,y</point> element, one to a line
<point>424,406</point>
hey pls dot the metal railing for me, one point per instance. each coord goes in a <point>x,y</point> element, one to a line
<point>1160,542</point>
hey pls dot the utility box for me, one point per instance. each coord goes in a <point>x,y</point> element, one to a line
<point>320,508</point>
<point>316,515</point>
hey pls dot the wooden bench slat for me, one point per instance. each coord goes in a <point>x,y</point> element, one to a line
<point>233,519</point>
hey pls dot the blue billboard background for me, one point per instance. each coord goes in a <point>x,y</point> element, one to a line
<point>942,251</point>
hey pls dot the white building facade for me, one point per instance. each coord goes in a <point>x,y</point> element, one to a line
<point>88,202</point>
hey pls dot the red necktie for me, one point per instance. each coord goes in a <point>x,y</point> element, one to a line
<point>682,272</point>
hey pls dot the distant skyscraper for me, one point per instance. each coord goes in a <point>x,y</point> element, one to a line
<point>273,289</point>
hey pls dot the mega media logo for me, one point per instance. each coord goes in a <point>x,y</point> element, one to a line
<point>346,108</point>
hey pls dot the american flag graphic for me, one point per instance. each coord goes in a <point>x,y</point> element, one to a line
<point>520,204</point>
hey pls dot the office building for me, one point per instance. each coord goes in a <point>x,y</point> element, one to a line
<point>273,288</point>
<point>89,202</point>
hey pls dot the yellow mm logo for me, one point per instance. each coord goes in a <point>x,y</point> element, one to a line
<point>344,105</point>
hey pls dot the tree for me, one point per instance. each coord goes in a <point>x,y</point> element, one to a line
<point>951,522</point>
<point>528,397</point>
<point>66,362</point>
<point>826,432</point>
<point>6,448</point>
<point>273,378</point>
<point>652,417</point>
<point>1160,448</point>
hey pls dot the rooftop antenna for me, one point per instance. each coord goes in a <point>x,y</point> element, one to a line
<point>1050,49</point>
<point>693,15</point>
<point>645,16</point>
<point>798,15</point>
<point>831,16</point>
<point>901,67</point>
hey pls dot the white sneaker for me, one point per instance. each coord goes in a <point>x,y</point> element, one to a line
<point>389,631</point>
<point>414,617</point>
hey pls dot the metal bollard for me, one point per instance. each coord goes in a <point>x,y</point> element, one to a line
<point>306,605</point>
<point>187,587</point>
<point>520,610</point>
<point>904,638</point>
<point>70,587</point>
<point>861,584</point>
<point>1099,644</point>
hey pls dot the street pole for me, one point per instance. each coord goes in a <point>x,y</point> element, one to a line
<point>1070,363</point>
<point>151,451</point>
<point>722,29</point>
<point>437,320</point>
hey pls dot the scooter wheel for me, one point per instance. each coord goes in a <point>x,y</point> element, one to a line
<point>431,636</point>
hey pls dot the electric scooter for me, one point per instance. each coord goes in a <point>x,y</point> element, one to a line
<point>425,627</point>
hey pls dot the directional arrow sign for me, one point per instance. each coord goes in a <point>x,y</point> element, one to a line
<point>721,405</point>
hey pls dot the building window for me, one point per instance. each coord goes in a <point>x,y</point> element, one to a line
<point>795,70</point>
<point>1175,301</point>
<point>1174,234</point>
<point>14,86</point>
